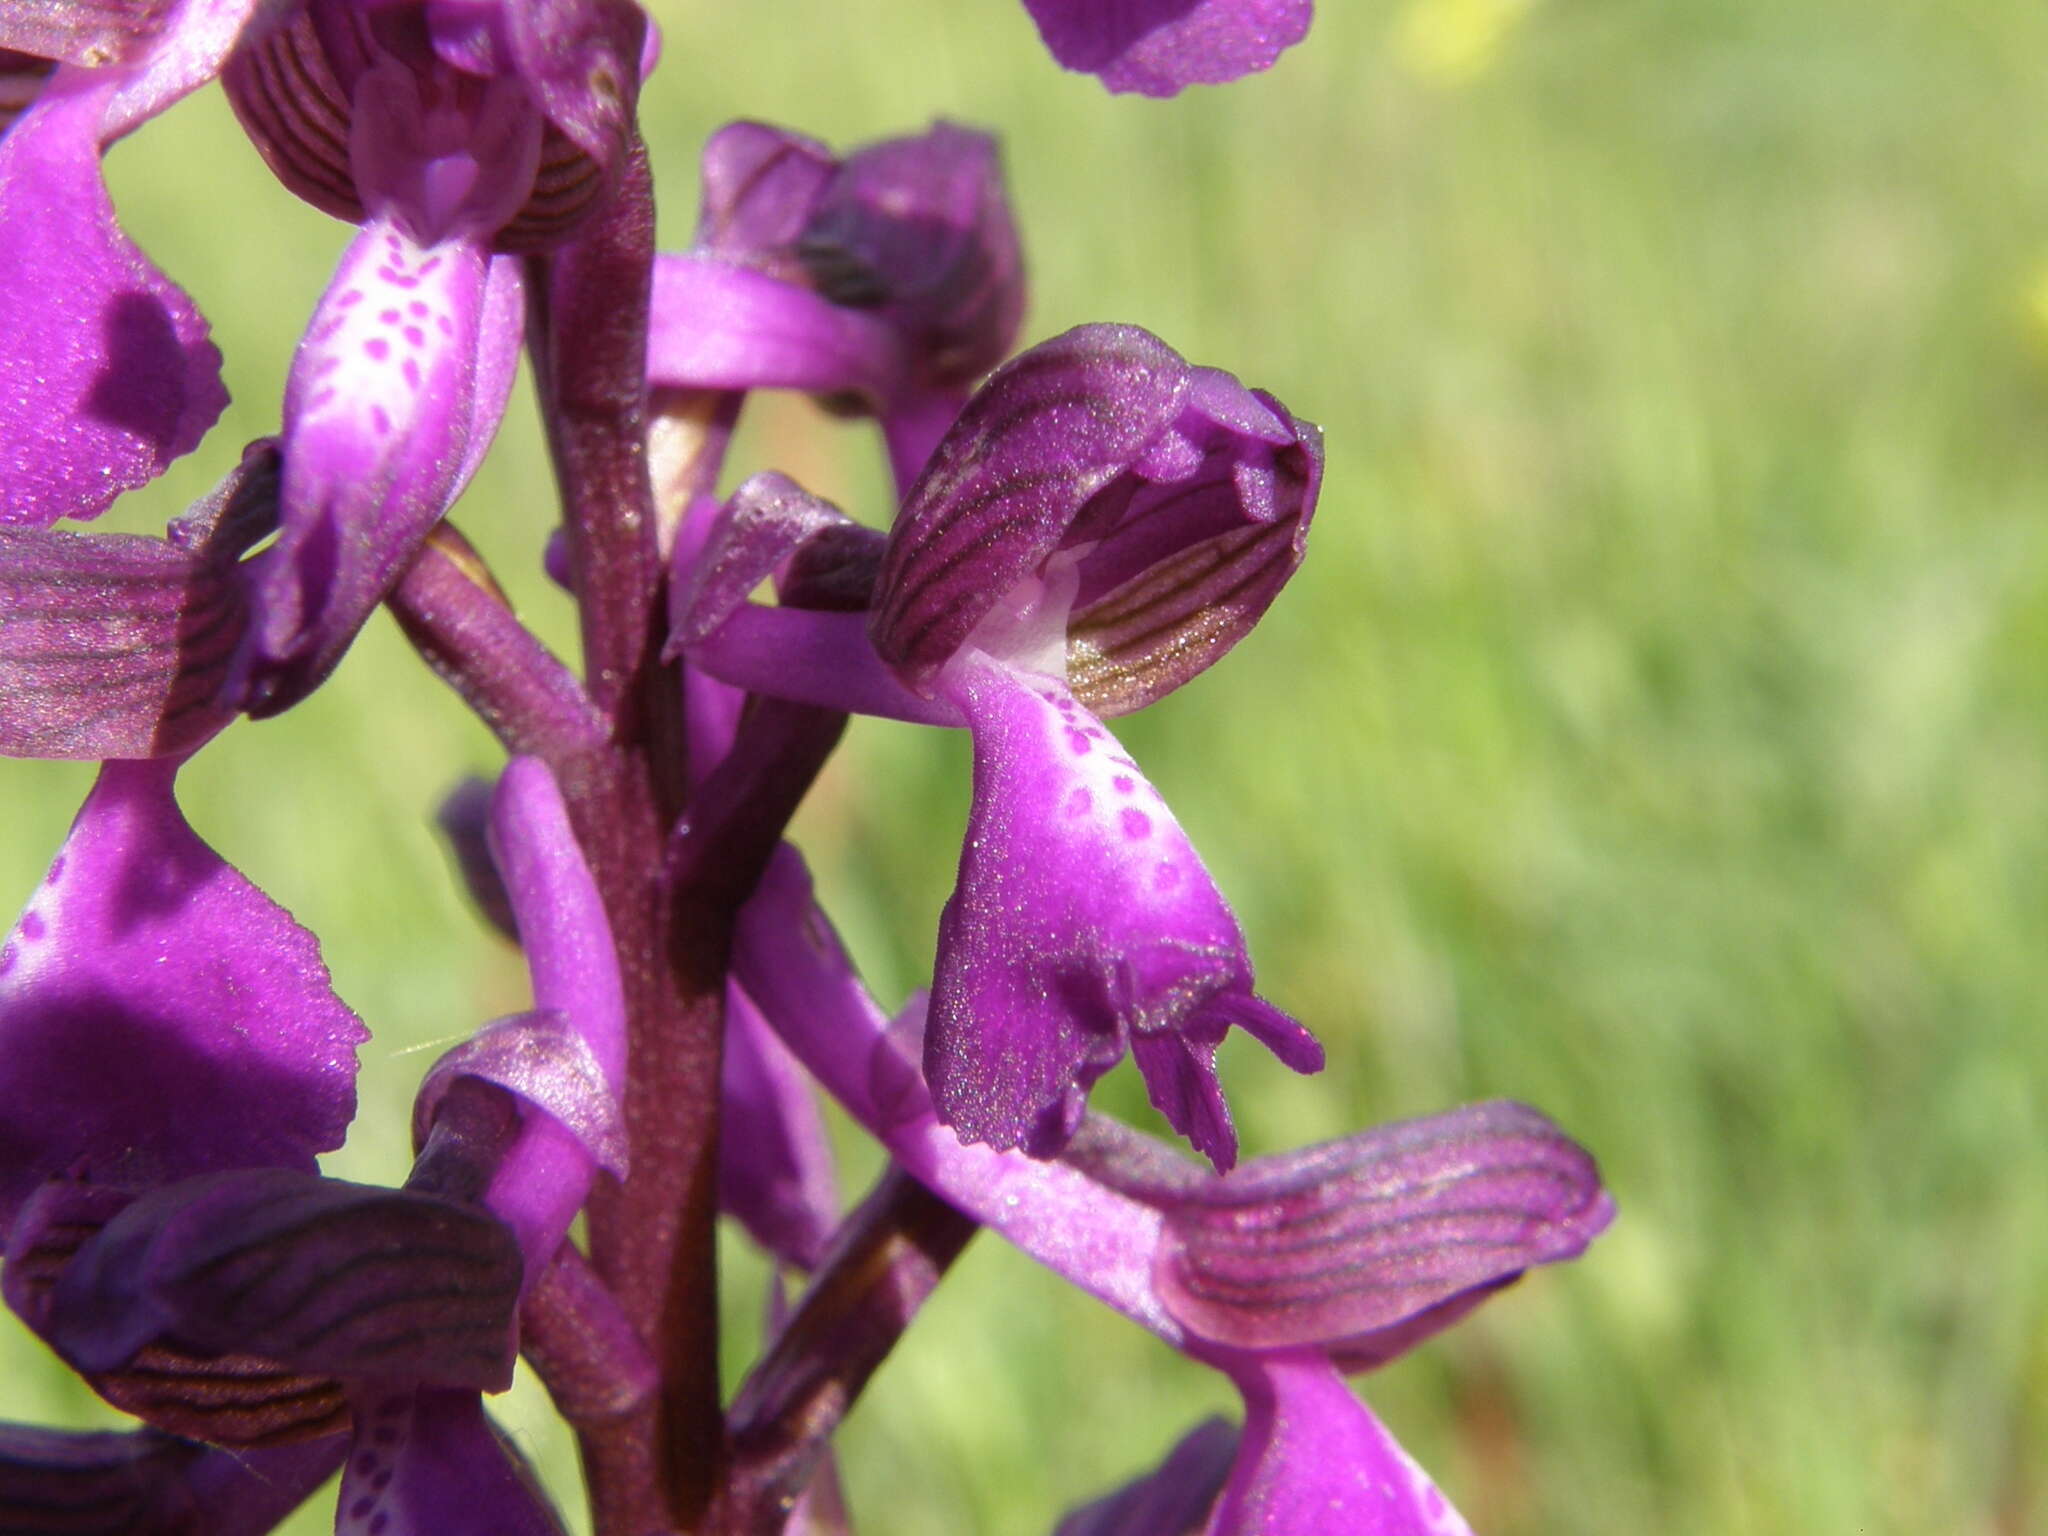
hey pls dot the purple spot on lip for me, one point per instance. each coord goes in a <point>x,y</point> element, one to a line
<point>1136,823</point>
<point>418,309</point>
<point>381,420</point>
<point>350,299</point>
<point>377,1525</point>
<point>1124,783</point>
<point>378,348</point>
<point>430,266</point>
<point>366,1463</point>
<point>1079,742</point>
<point>382,1480</point>
<point>1080,802</point>
<point>361,1507</point>
<point>1166,877</point>
<point>416,336</point>
<point>446,325</point>
<point>389,317</point>
<point>411,370</point>
<point>32,925</point>
<point>7,958</point>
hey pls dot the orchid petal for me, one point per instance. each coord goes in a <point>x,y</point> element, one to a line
<point>1333,1243</point>
<point>315,1274</point>
<point>542,1059</point>
<point>235,1399</point>
<point>760,186</point>
<point>1178,499</point>
<point>159,1015</point>
<point>764,524</point>
<point>714,325</point>
<point>567,1060</point>
<point>1156,47</point>
<point>1313,1461</point>
<point>115,646</point>
<point>919,229</point>
<point>431,1463</point>
<point>143,1483</point>
<point>382,414</point>
<point>1083,920</point>
<point>106,373</point>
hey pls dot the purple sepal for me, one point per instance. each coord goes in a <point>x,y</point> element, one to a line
<point>1166,503</point>
<point>1173,1499</point>
<point>396,388</point>
<point>112,645</point>
<point>106,372</point>
<point>561,917</point>
<point>775,1167</point>
<point>159,1015</point>
<point>1313,1461</point>
<point>915,232</point>
<point>753,537</point>
<point>1272,1257</point>
<point>1155,47</point>
<point>1083,924</point>
<point>318,1275</point>
<point>431,1463</point>
<point>543,1059</point>
<point>120,646</point>
<point>772,528</point>
<point>760,184</point>
<point>713,325</point>
<point>235,1399</point>
<point>567,1058</point>
<point>919,230</point>
<point>144,1483</point>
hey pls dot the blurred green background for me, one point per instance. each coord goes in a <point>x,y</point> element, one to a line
<point>1655,733</point>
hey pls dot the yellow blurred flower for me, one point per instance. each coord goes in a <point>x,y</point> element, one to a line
<point>1451,42</point>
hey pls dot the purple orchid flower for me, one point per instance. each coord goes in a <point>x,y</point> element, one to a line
<point>1102,523</point>
<point>451,132</point>
<point>886,282</point>
<point>173,1057</point>
<point>1282,1275</point>
<point>1156,47</point>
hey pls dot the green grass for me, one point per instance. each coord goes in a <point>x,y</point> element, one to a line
<point>1656,732</point>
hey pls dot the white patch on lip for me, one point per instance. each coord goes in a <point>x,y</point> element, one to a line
<point>391,323</point>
